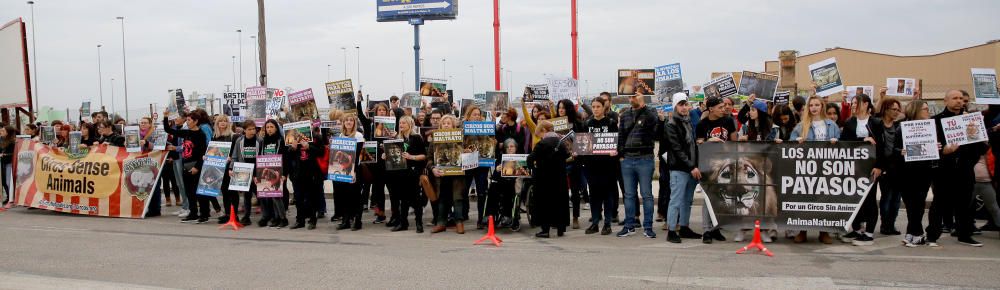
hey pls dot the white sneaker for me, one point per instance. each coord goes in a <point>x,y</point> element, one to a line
<point>183,213</point>
<point>739,236</point>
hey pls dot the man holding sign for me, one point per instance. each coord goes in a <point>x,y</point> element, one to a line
<point>955,177</point>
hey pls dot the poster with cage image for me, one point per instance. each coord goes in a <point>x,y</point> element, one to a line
<point>341,96</point>
<point>496,101</point>
<point>761,84</point>
<point>634,81</point>
<point>447,145</point>
<point>984,84</point>
<point>212,172</point>
<point>669,81</point>
<point>132,139</point>
<point>219,149</point>
<point>302,107</point>
<point>298,132</point>
<point>242,175</point>
<point>370,152</point>
<point>159,138</point>
<point>343,152</point>
<point>257,104</point>
<point>827,77</point>
<point>720,87</point>
<point>75,138</point>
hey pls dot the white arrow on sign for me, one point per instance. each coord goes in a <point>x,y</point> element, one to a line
<point>403,7</point>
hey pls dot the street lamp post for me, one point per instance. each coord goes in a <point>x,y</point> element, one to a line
<point>444,68</point>
<point>358,76</point>
<point>114,108</point>
<point>34,57</point>
<point>344,49</point>
<point>328,72</point>
<point>100,78</point>
<point>124,71</point>
<point>234,71</point>
<point>473,69</point>
<point>239,38</point>
<point>256,54</point>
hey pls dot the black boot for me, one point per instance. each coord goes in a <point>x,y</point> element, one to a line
<point>311,224</point>
<point>357,223</point>
<point>673,237</point>
<point>344,224</point>
<point>263,222</point>
<point>400,227</point>
<point>298,225</point>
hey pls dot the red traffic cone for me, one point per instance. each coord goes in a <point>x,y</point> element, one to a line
<point>490,235</point>
<point>232,220</point>
<point>756,243</point>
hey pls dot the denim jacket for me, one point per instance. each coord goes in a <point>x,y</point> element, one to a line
<point>832,131</point>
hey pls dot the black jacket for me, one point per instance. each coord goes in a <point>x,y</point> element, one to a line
<point>966,157</point>
<point>678,147</point>
<point>637,132</point>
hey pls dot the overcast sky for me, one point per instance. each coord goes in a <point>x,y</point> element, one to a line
<point>190,44</point>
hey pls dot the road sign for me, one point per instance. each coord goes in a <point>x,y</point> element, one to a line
<point>404,10</point>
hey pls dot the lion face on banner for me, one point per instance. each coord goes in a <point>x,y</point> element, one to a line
<point>740,186</point>
<point>25,165</point>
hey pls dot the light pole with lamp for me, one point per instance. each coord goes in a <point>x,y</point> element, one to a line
<point>124,71</point>
<point>100,78</point>
<point>34,58</point>
<point>239,38</point>
<point>256,56</point>
<point>358,76</point>
<point>473,69</point>
<point>344,49</point>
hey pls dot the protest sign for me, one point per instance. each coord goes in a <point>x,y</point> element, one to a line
<point>212,172</point>
<point>298,132</point>
<point>85,111</point>
<point>720,87</point>
<point>343,152</point>
<point>430,87</point>
<point>384,127</point>
<point>330,128</point>
<point>267,176</point>
<point>369,152</point>
<point>514,165</point>
<point>763,85</point>
<point>536,92</point>
<point>470,160</point>
<point>219,149</point>
<point>696,94</point>
<point>132,139</point>
<point>855,91</point>
<point>788,186</point>
<point>242,173</point>
<point>394,155</point>
<point>159,138</point>
<point>273,110</point>
<point>480,136</point>
<point>595,143</point>
<point>75,138</point>
<point>561,125</point>
<point>633,81</point>
<point>410,100</point>
<point>176,102</point>
<point>900,87</point>
<point>341,96</point>
<point>106,181</point>
<point>984,84</point>
<point>447,151</point>
<point>920,140</point>
<point>668,82</point>
<point>302,105</point>
<point>48,135</point>
<point>827,77</point>
<point>562,89</point>
<point>964,129</point>
<point>781,98</point>
<point>257,104</point>
<point>235,106</point>
<point>496,101</point>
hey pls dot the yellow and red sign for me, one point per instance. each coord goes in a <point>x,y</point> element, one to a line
<point>106,181</point>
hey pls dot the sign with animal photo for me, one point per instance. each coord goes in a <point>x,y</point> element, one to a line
<point>411,100</point>
<point>900,87</point>
<point>826,76</point>
<point>341,96</point>
<point>855,91</point>
<point>369,154</point>
<point>809,186</point>
<point>760,84</point>
<point>212,172</point>
<point>298,132</point>
<point>430,87</point>
<point>496,101</point>
<point>343,151</point>
<point>595,143</point>
<point>536,92</point>
<point>447,145</point>
<point>159,138</point>
<point>384,127</point>
<point>720,87</point>
<point>394,155</point>
<point>480,137</point>
<point>268,176</point>
<point>242,175</point>
<point>235,106</point>
<point>302,106</point>
<point>984,86</point>
<point>668,82</point>
<point>964,129</point>
<point>514,165</point>
<point>920,140</point>
<point>105,181</point>
<point>219,149</point>
<point>257,104</point>
<point>176,103</point>
<point>635,81</point>
<point>132,139</point>
<point>561,125</point>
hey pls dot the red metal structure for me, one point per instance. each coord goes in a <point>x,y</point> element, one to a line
<point>573,34</point>
<point>496,44</point>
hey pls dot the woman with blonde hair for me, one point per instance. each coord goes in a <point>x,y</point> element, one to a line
<point>404,184</point>
<point>222,131</point>
<point>449,188</point>
<point>815,126</point>
<point>347,195</point>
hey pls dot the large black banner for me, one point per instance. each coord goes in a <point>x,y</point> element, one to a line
<point>789,186</point>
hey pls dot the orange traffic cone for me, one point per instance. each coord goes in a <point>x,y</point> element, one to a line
<point>756,243</point>
<point>232,220</point>
<point>490,235</point>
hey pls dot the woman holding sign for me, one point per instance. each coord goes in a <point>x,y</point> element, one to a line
<point>600,173</point>
<point>347,196</point>
<point>273,208</point>
<point>449,189</point>
<point>578,189</point>
<point>195,144</point>
<point>548,166</point>
<point>815,126</point>
<point>377,169</point>
<point>862,127</point>
<point>404,183</point>
<point>479,175</point>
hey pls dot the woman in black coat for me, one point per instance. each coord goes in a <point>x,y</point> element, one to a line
<point>547,161</point>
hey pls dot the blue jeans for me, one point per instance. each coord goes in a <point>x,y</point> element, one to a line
<point>891,196</point>
<point>638,172</point>
<point>682,186</point>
